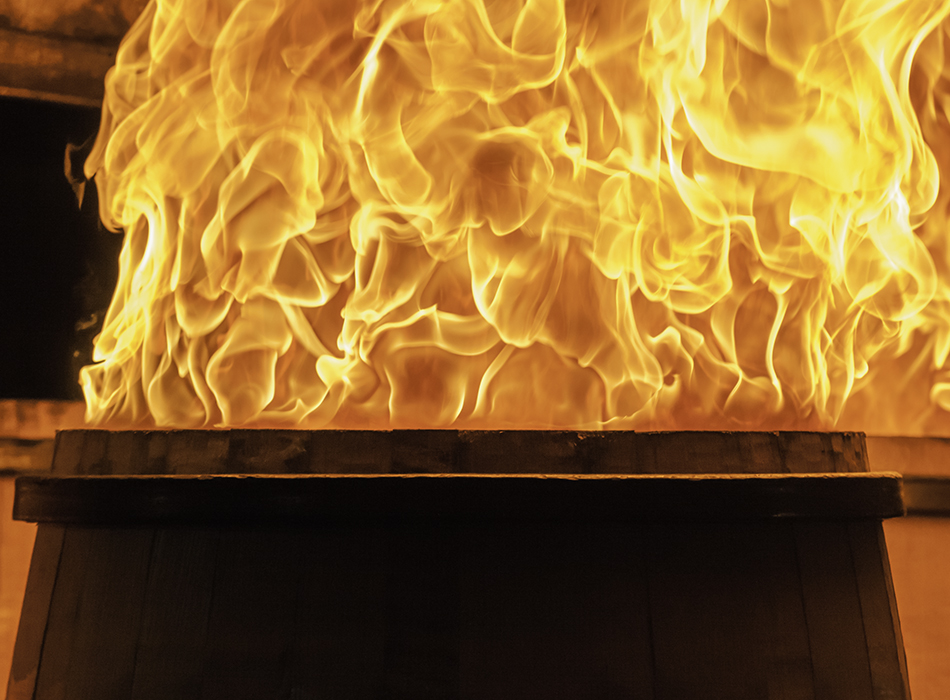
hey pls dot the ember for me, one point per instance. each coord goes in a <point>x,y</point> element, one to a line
<point>528,214</point>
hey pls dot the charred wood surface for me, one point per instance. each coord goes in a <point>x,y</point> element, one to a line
<point>652,611</point>
<point>261,500</point>
<point>101,452</point>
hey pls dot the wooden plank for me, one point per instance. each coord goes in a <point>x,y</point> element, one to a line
<point>696,452</point>
<point>34,614</point>
<point>268,452</point>
<point>833,612</point>
<point>727,613</point>
<point>499,452</point>
<point>251,620</point>
<point>351,452</point>
<point>172,644</point>
<point>197,452</point>
<point>425,452</point>
<point>100,452</point>
<point>879,610</point>
<point>789,673</point>
<point>849,452</point>
<point>16,547</point>
<point>703,590</point>
<point>603,453</point>
<point>325,498</point>
<point>126,452</point>
<point>818,452</point>
<point>93,460</point>
<point>94,615</point>
<point>554,611</point>
<point>341,626</point>
<point>156,458</point>
<point>67,454</point>
<point>560,452</point>
<point>420,656</point>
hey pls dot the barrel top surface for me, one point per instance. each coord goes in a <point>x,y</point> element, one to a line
<point>236,451</point>
<point>275,499</point>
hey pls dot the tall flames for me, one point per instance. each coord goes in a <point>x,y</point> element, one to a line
<point>528,213</point>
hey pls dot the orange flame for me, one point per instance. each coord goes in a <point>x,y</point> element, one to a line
<point>528,213</point>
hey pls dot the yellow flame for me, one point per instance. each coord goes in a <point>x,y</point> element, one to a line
<point>528,213</point>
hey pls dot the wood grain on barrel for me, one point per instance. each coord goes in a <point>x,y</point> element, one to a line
<point>172,639</point>
<point>882,630</point>
<point>271,499</point>
<point>453,451</point>
<point>341,632</point>
<point>530,593</point>
<point>34,615</point>
<point>421,652</point>
<point>833,612</point>
<point>98,597</point>
<point>706,641</point>
<point>788,665</point>
<point>524,610</point>
<point>250,636</point>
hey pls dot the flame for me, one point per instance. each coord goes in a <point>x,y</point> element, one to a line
<point>528,213</point>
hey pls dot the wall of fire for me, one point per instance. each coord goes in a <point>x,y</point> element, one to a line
<point>57,271</point>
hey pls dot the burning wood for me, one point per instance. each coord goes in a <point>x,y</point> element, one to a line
<point>527,214</point>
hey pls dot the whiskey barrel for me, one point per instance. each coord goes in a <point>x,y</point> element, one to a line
<point>441,564</point>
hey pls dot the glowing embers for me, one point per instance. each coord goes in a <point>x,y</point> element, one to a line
<point>526,214</point>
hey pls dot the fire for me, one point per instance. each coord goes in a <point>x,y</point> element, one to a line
<point>528,213</point>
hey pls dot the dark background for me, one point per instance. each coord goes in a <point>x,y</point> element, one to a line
<point>57,263</point>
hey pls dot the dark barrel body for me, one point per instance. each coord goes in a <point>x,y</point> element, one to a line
<point>444,564</point>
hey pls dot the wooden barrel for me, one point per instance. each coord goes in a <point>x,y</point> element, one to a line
<point>441,564</point>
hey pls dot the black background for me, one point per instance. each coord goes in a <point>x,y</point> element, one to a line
<point>57,263</point>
